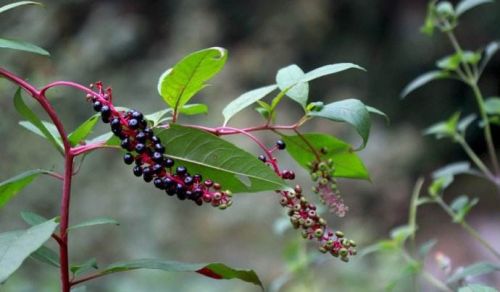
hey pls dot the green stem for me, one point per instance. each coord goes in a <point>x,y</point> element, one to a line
<point>473,156</point>
<point>429,277</point>
<point>472,232</point>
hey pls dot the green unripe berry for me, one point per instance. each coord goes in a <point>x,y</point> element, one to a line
<point>345,259</point>
<point>318,232</point>
<point>352,243</point>
<point>322,249</point>
<point>343,252</point>
<point>339,234</point>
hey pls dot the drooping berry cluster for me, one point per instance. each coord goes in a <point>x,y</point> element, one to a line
<point>148,153</point>
<point>326,187</point>
<point>304,215</point>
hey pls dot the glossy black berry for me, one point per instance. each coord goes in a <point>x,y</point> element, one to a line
<point>128,158</point>
<point>105,113</point>
<point>137,170</point>
<point>133,124</point>
<point>181,170</point>
<point>170,191</point>
<point>196,194</point>
<point>157,168</point>
<point>280,144</point>
<point>262,158</point>
<point>147,174</point>
<point>169,162</point>
<point>168,182</point>
<point>137,115</point>
<point>125,144</point>
<point>97,106</point>
<point>160,148</point>
<point>181,191</point>
<point>188,180</point>
<point>140,147</point>
<point>155,139</point>
<point>158,182</point>
<point>148,132</point>
<point>157,157</point>
<point>115,124</point>
<point>140,137</point>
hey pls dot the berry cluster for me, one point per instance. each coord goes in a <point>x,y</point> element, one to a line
<point>285,174</point>
<point>326,187</point>
<point>148,153</point>
<point>304,215</point>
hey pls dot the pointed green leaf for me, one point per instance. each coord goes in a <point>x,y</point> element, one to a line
<point>430,18</point>
<point>378,112</point>
<point>492,106</point>
<point>488,53</point>
<point>179,84</point>
<point>83,130</point>
<point>401,233</point>
<point>213,270</point>
<point>328,70</point>
<point>16,246</point>
<point>445,129</point>
<point>347,163</point>
<point>32,218</point>
<point>351,111</point>
<point>452,169</point>
<point>426,247</point>
<point>289,79</point>
<point>157,117</point>
<point>473,270</point>
<point>10,187</point>
<point>194,109</point>
<point>46,256</point>
<point>93,222</point>
<point>49,126</point>
<point>461,207</point>
<point>17,4</point>
<point>477,288</point>
<point>245,100</point>
<point>26,112</point>
<point>22,46</point>
<point>219,160</point>
<point>84,268</point>
<point>466,5</point>
<point>465,122</point>
<point>422,80</point>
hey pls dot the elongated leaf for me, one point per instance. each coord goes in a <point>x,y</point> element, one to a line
<point>84,268</point>
<point>26,112</point>
<point>492,106</point>
<point>289,78</point>
<point>194,109</point>
<point>83,130</point>
<point>461,207</point>
<point>378,112</point>
<point>93,222</point>
<point>213,270</point>
<point>328,70</point>
<point>9,188</point>
<point>46,256</point>
<point>466,5</point>
<point>17,4</point>
<point>16,246</point>
<point>351,111</point>
<point>426,247</point>
<point>245,100</point>
<point>22,46</point>
<point>477,288</point>
<point>49,126</point>
<point>347,163</point>
<point>32,218</point>
<point>400,234</point>
<point>444,129</point>
<point>422,80</point>
<point>488,53</point>
<point>452,169</point>
<point>476,269</point>
<point>219,160</point>
<point>189,75</point>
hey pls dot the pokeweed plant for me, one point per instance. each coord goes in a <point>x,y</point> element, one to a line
<point>192,162</point>
<point>467,67</point>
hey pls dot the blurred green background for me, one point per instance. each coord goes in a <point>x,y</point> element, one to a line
<point>128,44</point>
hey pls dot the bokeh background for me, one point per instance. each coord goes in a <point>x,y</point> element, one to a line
<point>128,44</point>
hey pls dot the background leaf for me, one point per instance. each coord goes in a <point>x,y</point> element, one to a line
<point>351,111</point>
<point>189,75</point>
<point>488,53</point>
<point>422,80</point>
<point>473,270</point>
<point>10,187</point>
<point>328,70</point>
<point>80,133</point>
<point>93,222</point>
<point>477,288</point>
<point>219,160</point>
<point>22,46</point>
<point>16,246</point>
<point>244,100</point>
<point>32,218</point>
<point>289,79</point>
<point>47,256</point>
<point>51,128</point>
<point>347,163</point>
<point>492,105</point>
<point>466,5</point>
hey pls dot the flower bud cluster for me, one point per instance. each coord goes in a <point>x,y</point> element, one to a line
<point>147,153</point>
<point>303,215</point>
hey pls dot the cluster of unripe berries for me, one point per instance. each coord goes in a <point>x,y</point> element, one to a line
<point>303,215</point>
<point>147,153</point>
<point>285,174</point>
<point>326,185</point>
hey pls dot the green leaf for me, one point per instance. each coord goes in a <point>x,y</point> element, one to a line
<point>48,125</point>
<point>381,246</point>
<point>492,105</point>
<point>444,8</point>
<point>401,233</point>
<point>84,268</point>
<point>219,160</point>
<point>347,163</point>
<point>179,84</point>
<point>79,289</point>
<point>22,46</point>
<point>16,246</point>
<point>17,4</point>
<point>10,187</point>
<point>213,270</point>
<point>446,129</point>
<point>378,112</point>
<point>466,5</point>
<point>351,111</point>
<point>26,112</point>
<point>194,109</point>
<point>439,185</point>
<point>289,80</point>
<point>452,169</point>
<point>157,117</point>
<point>430,18</point>
<point>46,256</point>
<point>477,288</point>
<point>33,218</point>
<point>473,270</point>
<point>461,207</point>
<point>93,222</point>
<point>426,247</point>
<point>83,130</point>
<point>453,61</point>
<point>422,80</point>
<point>328,70</point>
<point>464,123</point>
<point>488,53</point>
<point>245,100</point>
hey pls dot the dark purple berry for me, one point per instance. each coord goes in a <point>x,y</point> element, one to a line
<point>169,162</point>
<point>157,168</point>
<point>280,144</point>
<point>105,113</point>
<point>158,182</point>
<point>197,178</point>
<point>140,148</point>
<point>128,158</point>
<point>262,158</point>
<point>125,144</point>
<point>157,157</point>
<point>168,182</point>
<point>138,160</point>
<point>97,106</point>
<point>181,170</point>
<point>188,180</point>
<point>158,147</point>
<point>170,191</point>
<point>137,170</point>
<point>181,191</point>
<point>148,132</point>
<point>197,193</point>
<point>133,124</point>
<point>137,115</point>
<point>155,139</point>
<point>147,174</point>
<point>140,137</point>
<point>115,124</point>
